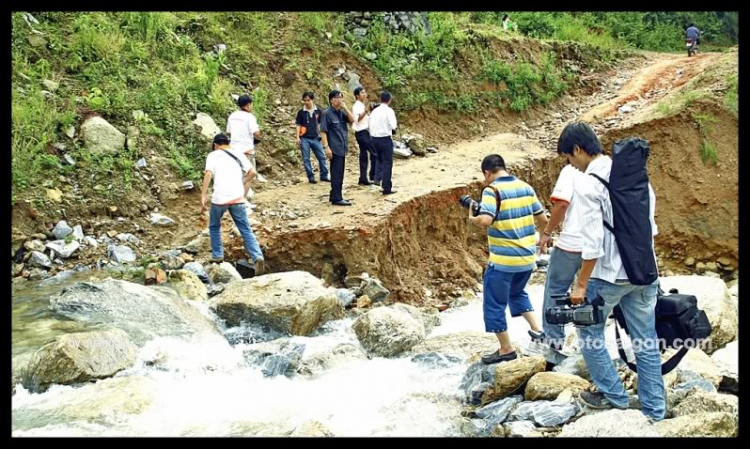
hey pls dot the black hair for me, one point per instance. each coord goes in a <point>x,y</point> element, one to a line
<point>493,163</point>
<point>244,100</point>
<point>221,139</point>
<point>385,96</point>
<point>690,25</point>
<point>309,95</point>
<point>505,17</point>
<point>581,135</point>
<point>358,90</point>
<point>333,94</point>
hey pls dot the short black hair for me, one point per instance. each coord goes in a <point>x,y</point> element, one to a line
<point>309,95</point>
<point>358,90</point>
<point>505,17</point>
<point>581,135</point>
<point>690,25</point>
<point>385,96</point>
<point>221,139</point>
<point>244,100</point>
<point>493,163</point>
<point>333,94</point>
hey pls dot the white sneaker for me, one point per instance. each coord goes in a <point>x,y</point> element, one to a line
<point>260,178</point>
<point>250,193</point>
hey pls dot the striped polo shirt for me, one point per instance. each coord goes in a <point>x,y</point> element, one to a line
<point>512,236</point>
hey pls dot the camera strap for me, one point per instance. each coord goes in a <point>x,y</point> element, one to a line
<point>498,200</point>
<point>242,168</point>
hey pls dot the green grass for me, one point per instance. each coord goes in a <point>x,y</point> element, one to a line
<point>112,64</point>
<point>526,83</point>
<point>316,21</point>
<point>681,101</point>
<point>731,99</point>
<point>708,149</point>
<point>578,32</point>
<point>708,153</point>
<point>665,108</point>
<point>261,99</point>
<point>401,57</point>
<point>689,98</point>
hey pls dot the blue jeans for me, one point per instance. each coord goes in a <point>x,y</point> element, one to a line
<point>563,266</point>
<point>317,148</point>
<point>503,289</point>
<point>638,303</point>
<point>239,215</point>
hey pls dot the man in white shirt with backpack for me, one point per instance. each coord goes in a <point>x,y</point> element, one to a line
<point>614,198</point>
<point>231,174</point>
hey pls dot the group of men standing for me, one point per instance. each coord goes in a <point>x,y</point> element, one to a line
<point>326,133</point>
<point>232,163</point>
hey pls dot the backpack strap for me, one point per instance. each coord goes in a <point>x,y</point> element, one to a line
<point>666,367</point>
<point>606,184</point>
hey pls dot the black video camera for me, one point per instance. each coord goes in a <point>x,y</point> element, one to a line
<point>468,202</point>
<point>586,314</point>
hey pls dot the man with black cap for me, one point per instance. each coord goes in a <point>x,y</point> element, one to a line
<point>230,189</point>
<point>334,129</point>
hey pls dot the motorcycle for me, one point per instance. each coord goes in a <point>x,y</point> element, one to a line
<point>692,47</point>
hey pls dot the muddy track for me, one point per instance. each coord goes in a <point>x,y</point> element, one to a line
<point>653,83</point>
<point>418,241</point>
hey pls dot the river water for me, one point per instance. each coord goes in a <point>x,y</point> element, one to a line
<point>202,384</point>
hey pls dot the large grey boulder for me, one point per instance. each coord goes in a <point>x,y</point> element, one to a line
<point>291,302</point>
<point>100,137</point>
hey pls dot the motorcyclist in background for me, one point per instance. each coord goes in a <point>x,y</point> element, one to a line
<point>693,33</point>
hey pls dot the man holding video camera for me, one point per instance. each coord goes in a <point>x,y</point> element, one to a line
<point>603,275</point>
<point>508,210</point>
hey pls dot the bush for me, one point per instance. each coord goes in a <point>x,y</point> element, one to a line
<point>401,56</point>
<point>526,83</point>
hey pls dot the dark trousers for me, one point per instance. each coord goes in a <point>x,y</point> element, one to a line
<point>337,177</point>
<point>365,149</point>
<point>384,148</point>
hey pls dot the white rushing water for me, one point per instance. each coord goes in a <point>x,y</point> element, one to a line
<point>203,386</point>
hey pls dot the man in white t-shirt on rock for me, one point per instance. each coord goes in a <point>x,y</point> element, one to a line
<point>232,173</point>
<point>565,258</point>
<point>243,129</point>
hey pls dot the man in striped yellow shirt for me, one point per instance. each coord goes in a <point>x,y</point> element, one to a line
<point>510,209</point>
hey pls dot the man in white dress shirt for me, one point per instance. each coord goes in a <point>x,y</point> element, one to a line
<point>382,126</point>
